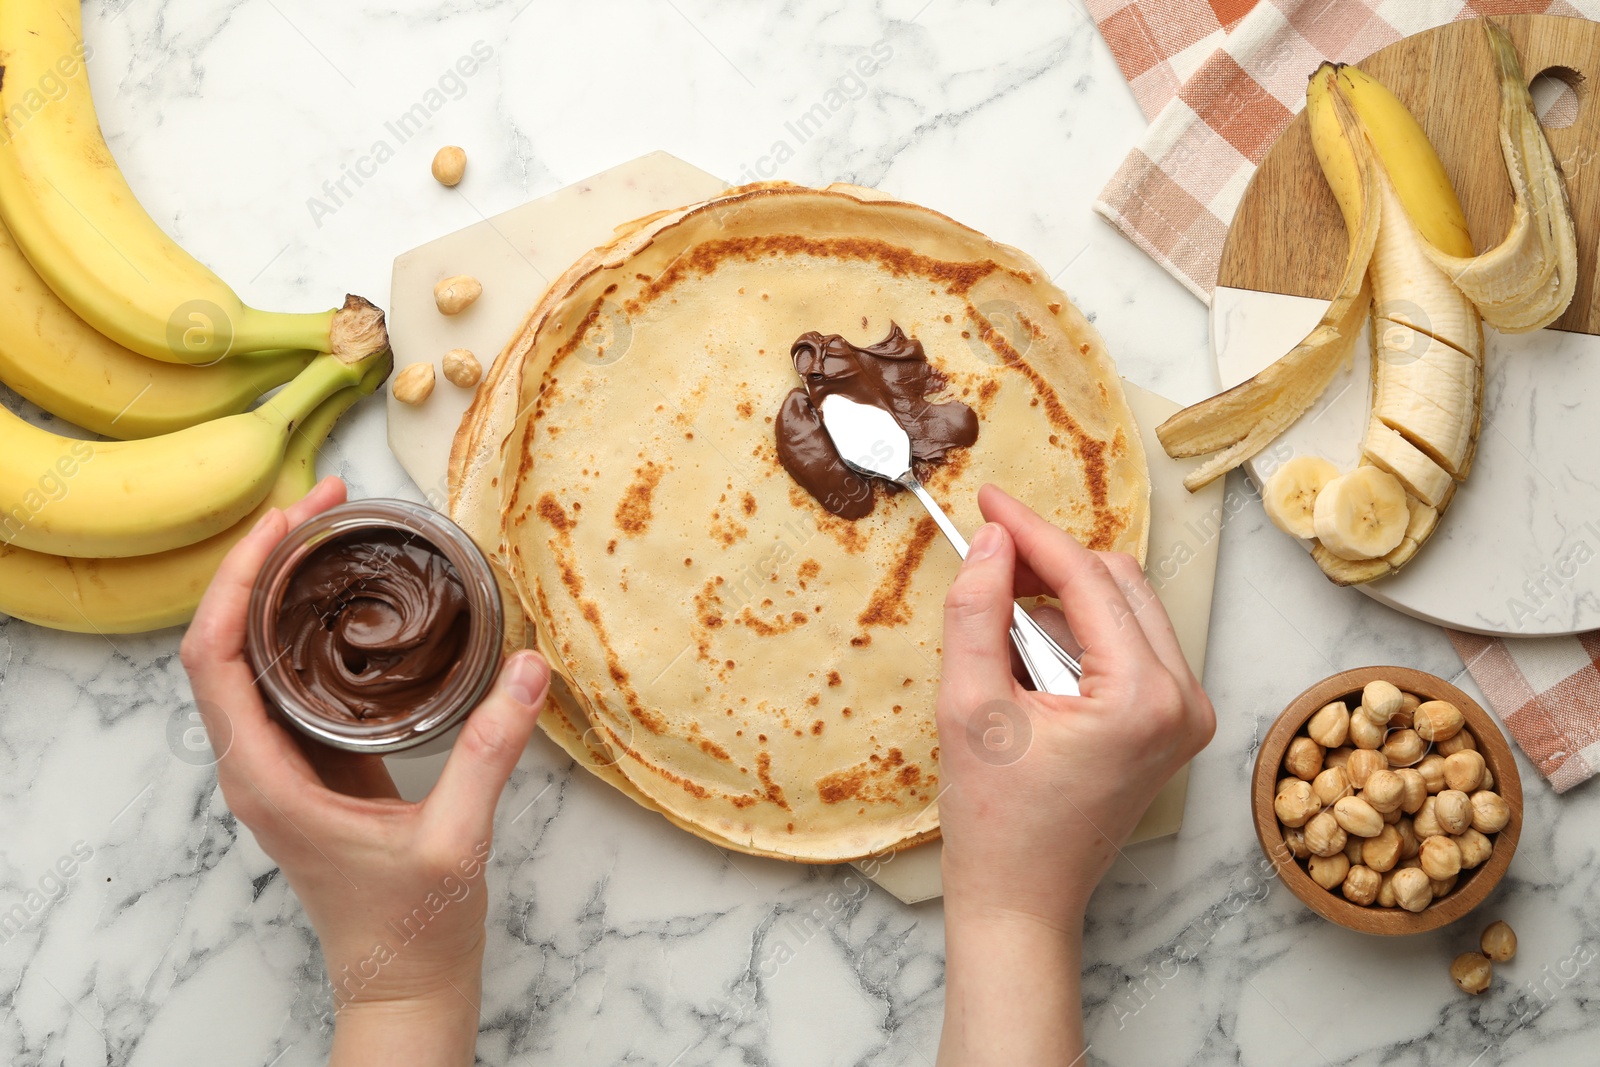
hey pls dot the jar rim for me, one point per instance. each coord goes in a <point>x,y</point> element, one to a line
<point>440,712</point>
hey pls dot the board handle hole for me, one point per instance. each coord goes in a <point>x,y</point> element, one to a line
<point>1555,96</point>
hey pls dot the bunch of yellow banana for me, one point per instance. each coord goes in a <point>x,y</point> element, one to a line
<point>111,326</point>
<point>1411,252</point>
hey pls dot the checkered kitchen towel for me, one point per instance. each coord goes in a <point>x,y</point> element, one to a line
<point>1547,692</point>
<point>1219,80</point>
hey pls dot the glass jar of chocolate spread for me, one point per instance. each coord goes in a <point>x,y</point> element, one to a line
<point>375,626</point>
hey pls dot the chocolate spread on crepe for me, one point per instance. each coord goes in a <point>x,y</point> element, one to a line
<point>893,374</point>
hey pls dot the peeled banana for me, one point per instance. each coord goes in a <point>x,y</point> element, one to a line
<point>130,498</point>
<point>140,593</point>
<point>74,216</point>
<point>57,361</point>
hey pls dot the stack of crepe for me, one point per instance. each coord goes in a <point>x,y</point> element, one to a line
<point>729,653</point>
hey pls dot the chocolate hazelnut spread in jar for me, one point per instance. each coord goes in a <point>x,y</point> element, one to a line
<point>375,626</point>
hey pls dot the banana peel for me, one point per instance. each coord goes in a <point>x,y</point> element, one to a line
<point>1240,422</point>
<point>1525,282</point>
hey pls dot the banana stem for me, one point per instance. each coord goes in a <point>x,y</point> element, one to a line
<point>325,376</point>
<point>260,330</point>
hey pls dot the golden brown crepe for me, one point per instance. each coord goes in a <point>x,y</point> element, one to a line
<point>758,669</point>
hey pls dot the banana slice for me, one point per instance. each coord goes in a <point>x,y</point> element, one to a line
<point>1290,494</point>
<point>1421,476</point>
<point>1361,514</point>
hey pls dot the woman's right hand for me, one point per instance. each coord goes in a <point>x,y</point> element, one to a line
<point>1040,791</point>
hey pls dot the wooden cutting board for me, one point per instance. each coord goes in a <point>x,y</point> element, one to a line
<point>1288,235</point>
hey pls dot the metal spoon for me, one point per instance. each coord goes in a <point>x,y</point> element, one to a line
<point>871,442</point>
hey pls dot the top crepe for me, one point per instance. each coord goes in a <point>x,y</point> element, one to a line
<point>764,671</point>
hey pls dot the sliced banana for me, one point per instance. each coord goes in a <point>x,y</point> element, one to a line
<point>1429,392</point>
<point>1361,514</point>
<point>1291,492</point>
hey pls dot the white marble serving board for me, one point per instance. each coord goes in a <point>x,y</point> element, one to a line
<point>517,254</point>
<point>1517,552</point>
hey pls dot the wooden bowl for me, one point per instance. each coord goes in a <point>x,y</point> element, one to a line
<point>1473,886</point>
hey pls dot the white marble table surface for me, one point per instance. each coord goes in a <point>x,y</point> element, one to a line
<point>613,940</point>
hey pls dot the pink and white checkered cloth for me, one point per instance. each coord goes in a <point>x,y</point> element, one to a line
<point>1220,80</point>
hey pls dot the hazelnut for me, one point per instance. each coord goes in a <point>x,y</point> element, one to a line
<point>1364,733</point>
<point>1499,941</point>
<point>1441,858</point>
<point>1403,747</point>
<point>1362,762</point>
<point>414,384</point>
<point>1352,849</point>
<point>1330,726</point>
<point>462,368</point>
<point>1386,891</point>
<point>1416,790</point>
<point>1432,770</point>
<point>1380,700</point>
<point>1304,758</point>
<point>1295,803</point>
<point>454,295</point>
<point>1285,781</point>
<point>1437,720</point>
<point>1461,742</point>
<point>1443,886</point>
<point>1475,848</point>
<point>1338,757</point>
<point>1324,835</point>
<point>1488,778</point>
<point>1331,785</point>
<point>1390,818</point>
<point>1490,812</point>
<point>1294,838</point>
<point>1400,720</point>
<point>449,163</point>
<point>1464,770</point>
<point>1413,889</point>
<point>1329,871</point>
<point>1410,844</point>
<point>1358,817</point>
<point>1426,821</point>
<point>1409,702</point>
<point>1361,885</point>
<point>1381,853</point>
<point>1471,972</point>
<point>1453,809</point>
<point>1384,791</point>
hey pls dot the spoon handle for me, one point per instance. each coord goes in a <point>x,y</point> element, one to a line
<point>1051,667</point>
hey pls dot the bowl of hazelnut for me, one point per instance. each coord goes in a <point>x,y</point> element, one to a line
<point>1387,800</point>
